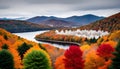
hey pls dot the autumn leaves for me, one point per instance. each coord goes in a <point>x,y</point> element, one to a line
<point>75,58</point>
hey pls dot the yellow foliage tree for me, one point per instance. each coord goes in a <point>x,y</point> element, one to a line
<point>93,61</point>
<point>85,48</point>
<point>111,42</point>
<point>115,36</point>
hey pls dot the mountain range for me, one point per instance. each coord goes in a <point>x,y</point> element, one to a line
<point>75,20</point>
<point>110,24</point>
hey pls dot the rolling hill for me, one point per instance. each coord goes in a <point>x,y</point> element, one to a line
<point>21,26</point>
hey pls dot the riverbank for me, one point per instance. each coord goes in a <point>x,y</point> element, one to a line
<point>59,42</point>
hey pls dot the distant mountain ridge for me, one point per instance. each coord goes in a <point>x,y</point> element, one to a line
<point>57,23</point>
<point>79,20</point>
<point>85,19</point>
<point>110,24</point>
<point>21,26</point>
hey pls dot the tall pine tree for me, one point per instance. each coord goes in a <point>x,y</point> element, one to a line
<point>116,61</point>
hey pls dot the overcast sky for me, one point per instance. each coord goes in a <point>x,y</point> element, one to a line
<point>59,8</point>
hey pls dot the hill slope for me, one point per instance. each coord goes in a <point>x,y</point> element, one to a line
<point>21,26</point>
<point>110,24</point>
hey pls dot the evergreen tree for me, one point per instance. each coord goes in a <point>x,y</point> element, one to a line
<point>42,47</point>
<point>36,59</point>
<point>5,46</point>
<point>116,61</point>
<point>6,60</point>
<point>93,40</point>
<point>5,37</point>
<point>22,49</point>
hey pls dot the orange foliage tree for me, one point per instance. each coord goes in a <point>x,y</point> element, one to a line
<point>59,63</point>
<point>17,59</point>
<point>93,61</point>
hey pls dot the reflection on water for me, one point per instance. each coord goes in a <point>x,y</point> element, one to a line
<point>31,35</point>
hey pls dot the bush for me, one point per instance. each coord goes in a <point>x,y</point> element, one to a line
<point>36,59</point>
<point>6,60</point>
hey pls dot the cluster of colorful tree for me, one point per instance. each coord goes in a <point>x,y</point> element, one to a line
<point>103,56</point>
<point>13,48</point>
<point>51,35</point>
<point>94,56</point>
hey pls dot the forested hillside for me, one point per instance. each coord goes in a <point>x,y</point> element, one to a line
<point>21,26</point>
<point>110,24</point>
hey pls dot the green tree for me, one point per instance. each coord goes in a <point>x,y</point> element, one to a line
<point>5,37</point>
<point>93,40</point>
<point>22,49</point>
<point>6,60</point>
<point>116,61</point>
<point>42,47</point>
<point>36,59</point>
<point>5,46</point>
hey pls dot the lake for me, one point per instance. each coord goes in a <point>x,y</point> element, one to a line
<point>31,35</point>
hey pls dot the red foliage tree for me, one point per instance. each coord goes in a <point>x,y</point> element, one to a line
<point>73,58</point>
<point>105,51</point>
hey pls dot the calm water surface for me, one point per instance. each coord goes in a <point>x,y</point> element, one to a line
<point>31,35</point>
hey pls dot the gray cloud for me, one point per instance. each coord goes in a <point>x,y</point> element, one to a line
<point>56,7</point>
<point>97,5</point>
<point>53,1</point>
<point>4,7</point>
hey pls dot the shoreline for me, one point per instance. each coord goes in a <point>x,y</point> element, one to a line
<point>59,42</point>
